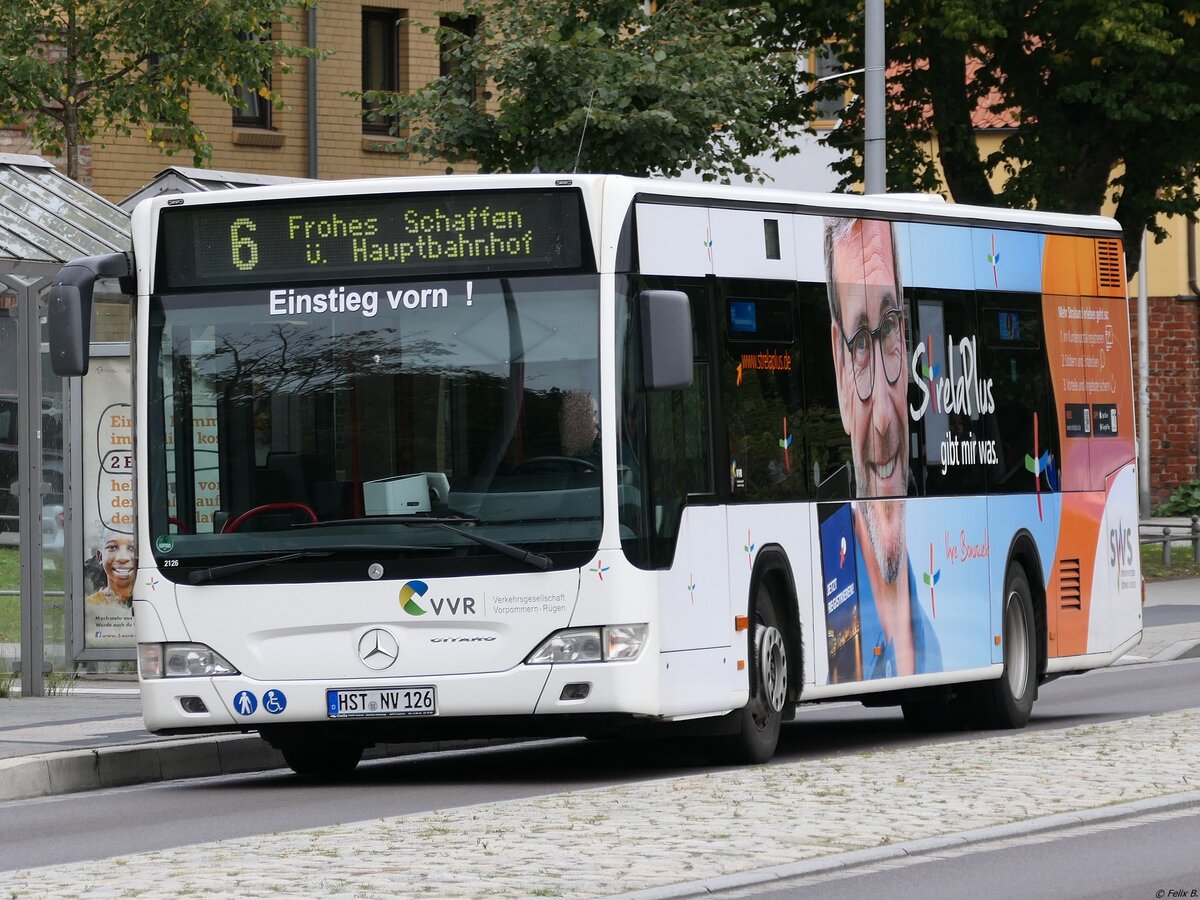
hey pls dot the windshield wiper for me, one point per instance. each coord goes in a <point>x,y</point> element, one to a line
<point>446,523</point>
<point>200,576</point>
<point>410,519</point>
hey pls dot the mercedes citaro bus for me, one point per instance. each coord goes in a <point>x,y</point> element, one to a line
<point>476,456</point>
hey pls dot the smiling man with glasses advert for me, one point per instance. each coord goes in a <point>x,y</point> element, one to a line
<point>869,354</point>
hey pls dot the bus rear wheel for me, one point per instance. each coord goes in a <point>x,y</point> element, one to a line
<point>1007,702</point>
<point>325,761</point>
<point>760,720</point>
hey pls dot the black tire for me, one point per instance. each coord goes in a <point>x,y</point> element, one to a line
<point>759,721</point>
<point>1007,702</point>
<point>328,761</point>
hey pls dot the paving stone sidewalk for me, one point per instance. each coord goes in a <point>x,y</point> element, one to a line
<point>628,838</point>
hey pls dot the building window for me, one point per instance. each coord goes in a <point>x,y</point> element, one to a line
<point>824,63</point>
<point>254,110</point>
<point>456,32</point>
<point>380,62</point>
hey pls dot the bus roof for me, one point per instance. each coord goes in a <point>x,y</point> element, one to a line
<point>897,207</point>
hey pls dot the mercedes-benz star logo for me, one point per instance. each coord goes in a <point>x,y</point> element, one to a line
<point>378,649</point>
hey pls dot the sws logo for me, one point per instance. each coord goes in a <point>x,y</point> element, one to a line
<point>450,606</point>
<point>1120,547</point>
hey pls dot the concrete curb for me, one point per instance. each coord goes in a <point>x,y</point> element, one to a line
<point>921,847</point>
<point>1186,649</point>
<point>121,765</point>
<point>124,764</point>
<point>1178,650</point>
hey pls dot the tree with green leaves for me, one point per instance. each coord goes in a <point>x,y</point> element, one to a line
<point>71,70</point>
<point>1102,96</point>
<point>596,86</point>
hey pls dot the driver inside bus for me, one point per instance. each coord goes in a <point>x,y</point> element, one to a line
<point>579,427</point>
<point>867,334</point>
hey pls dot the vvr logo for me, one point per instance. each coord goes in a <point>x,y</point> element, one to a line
<point>408,597</point>
<point>439,606</point>
<point>1120,547</point>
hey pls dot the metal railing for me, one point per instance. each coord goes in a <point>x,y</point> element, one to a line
<point>1172,534</point>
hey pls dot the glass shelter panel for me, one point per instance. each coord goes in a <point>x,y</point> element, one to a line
<point>53,518</point>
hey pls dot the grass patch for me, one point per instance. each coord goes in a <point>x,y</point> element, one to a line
<point>60,684</point>
<point>1183,563</point>
<point>10,569</point>
<point>10,604</point>
<point>10,620</point>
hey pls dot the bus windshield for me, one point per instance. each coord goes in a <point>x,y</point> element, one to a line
<point>363,407</point>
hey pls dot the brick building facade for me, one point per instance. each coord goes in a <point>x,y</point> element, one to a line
<point>1174,345</point>
<point>118,166</point>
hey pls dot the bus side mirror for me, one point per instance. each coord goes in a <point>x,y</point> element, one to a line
<point>70,321</point>
<point>666,340</point>
<point>70,309</point>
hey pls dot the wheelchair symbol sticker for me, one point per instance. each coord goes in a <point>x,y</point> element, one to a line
<point>245,703</point>
<point>274,702</point>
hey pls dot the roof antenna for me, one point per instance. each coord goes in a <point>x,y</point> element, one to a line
<point>587,116</point>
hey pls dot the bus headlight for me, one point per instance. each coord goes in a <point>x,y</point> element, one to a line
<point>576,645</point>
<point>623,641</point>
<point>181,661</point>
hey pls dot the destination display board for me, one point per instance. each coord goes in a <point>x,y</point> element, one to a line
<point>364,236</point>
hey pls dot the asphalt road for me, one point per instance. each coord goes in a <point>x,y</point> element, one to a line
<point>1170,614</point>
<point>116,822</point>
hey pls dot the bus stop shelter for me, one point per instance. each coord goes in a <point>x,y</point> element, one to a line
<point>48,501</point>
<point>187,180</point>
<point>45,220</point>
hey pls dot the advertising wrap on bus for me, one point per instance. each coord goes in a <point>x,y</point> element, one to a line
<point>956,397</point>
<point>1076,335</point>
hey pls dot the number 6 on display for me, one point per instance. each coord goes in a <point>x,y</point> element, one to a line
<point>243,247</point>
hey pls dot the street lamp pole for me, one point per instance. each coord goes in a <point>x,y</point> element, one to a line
<point>875,133</point>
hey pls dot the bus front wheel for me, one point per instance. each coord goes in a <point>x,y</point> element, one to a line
<point>1007,702</point>
<point>759,721</point>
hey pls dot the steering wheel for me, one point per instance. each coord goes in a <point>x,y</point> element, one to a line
<point>549,465</point>
<point>234,524</point>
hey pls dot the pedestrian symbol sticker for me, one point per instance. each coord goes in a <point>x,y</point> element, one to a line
<point>245,703</point>
<point>274,702</point>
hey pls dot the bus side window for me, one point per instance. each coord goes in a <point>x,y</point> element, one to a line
<point>952,446</point>
<point>762,394</point>
<point>1012,355</point>
<point>828,470</point>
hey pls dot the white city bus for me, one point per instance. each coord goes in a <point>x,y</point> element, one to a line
<point>476,456</point>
